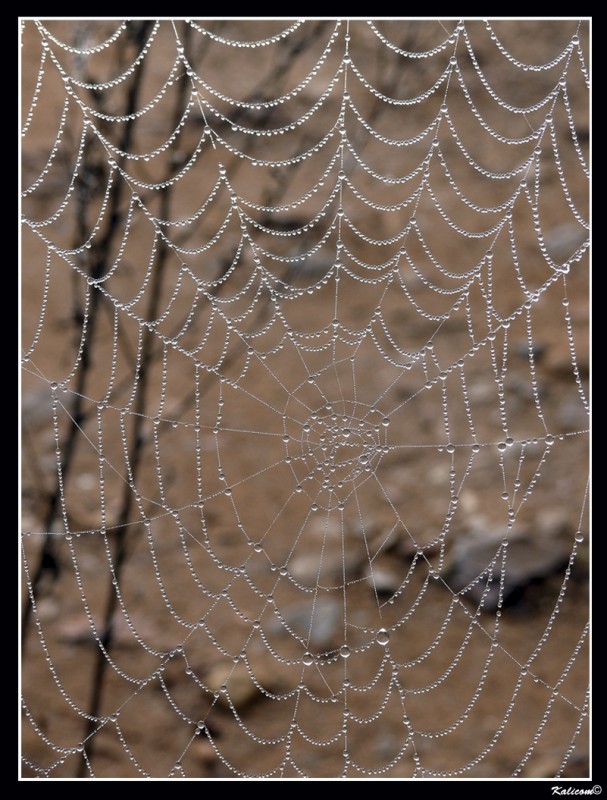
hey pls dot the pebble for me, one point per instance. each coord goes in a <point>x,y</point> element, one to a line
<point>240,688</point>
<point>326,625</point>
<point>385,574</point>
<point>532,556</point>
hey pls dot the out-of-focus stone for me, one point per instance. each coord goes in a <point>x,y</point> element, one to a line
<point>384,574</point>
<point>202,750</point>
<point>239,687</point>
<point>325,622</point>
<point>308,568</point>
<point>36,411</point>
<point>532,556</point>
<point>76,630</point>
<point>544,767</point>
<point>572,415</point>
<point>564,240</point>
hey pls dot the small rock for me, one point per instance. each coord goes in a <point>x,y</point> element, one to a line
<point>385,538</point>
<point>202,750</point>
<point>36,411</point>
<point>76,631</point>
<point>532,556</point>
<point>86,481</point>
<point>469,501</point>
<point>553,523</point>
<point>384,575</point>
<point>315,265</point>
<point>544,767</point>
<point>240,688</point>
<point>572,415</point>
<point>47,609</point>
<point>564,240</point>
<point>305,567</point>
<point>326,622</point>
<point>482,391</point>
<point>522,351</point>
<point>578,766</point>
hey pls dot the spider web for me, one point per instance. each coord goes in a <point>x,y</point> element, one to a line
<point>305,415</point>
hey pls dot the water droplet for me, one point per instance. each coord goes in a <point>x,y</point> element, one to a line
<point>501,446</point>
<point>382,637</point>
<point>346,433</point>
<point>308,659</point>
<point>283,571</point>
<point>314,507</point>
<point>286,439</point>
<point>549,440</point>
<point>475,448</point>
<point>344,651</point>
<point>298,489</point>
<point>509,441</point>
<point>579,536</point>
<point>450,448</point>
<point>258,548</point>
<point>306,429</point>
<point>385,422</point>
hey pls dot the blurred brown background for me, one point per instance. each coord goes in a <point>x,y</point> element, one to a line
<point>162,366</point>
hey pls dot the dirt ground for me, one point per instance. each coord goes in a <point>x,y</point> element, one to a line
<point>270,527</point>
